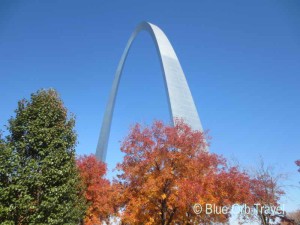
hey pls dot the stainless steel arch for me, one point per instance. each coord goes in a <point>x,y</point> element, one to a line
<point>181,104</point>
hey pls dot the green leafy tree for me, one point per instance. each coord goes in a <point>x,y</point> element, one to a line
<point>44,184</point>
<point>7,165</point>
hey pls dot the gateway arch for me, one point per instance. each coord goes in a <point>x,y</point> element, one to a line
<point>181,103</point>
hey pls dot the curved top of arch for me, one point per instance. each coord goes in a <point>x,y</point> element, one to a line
<point>181,103</point>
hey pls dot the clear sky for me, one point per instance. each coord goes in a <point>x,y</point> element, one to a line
<point>241,60</point>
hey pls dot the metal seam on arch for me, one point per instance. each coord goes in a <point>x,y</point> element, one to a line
<point>181,103</point>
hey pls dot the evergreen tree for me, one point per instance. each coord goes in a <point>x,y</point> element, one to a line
<point>45,184</point>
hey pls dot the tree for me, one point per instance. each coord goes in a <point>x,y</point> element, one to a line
<point>166,170</point>
<point>298,164</point>
<point>44,182</point>
<point>7,165</point>
<point>98,191</point>
<point>295,216</point>
<point>266,191</point>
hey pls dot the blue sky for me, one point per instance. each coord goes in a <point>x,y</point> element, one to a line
<point>241,60</point>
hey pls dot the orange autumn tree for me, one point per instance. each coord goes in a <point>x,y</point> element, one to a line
<point>266,192</point>
<point>97,190</point>
<point>166,170</point>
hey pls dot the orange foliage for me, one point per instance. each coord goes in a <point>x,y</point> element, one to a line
<point>97,189</point>
<point>166,170</point>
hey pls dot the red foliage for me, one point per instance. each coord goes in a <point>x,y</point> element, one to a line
<point>97,189</point>
<point>266,192</point>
